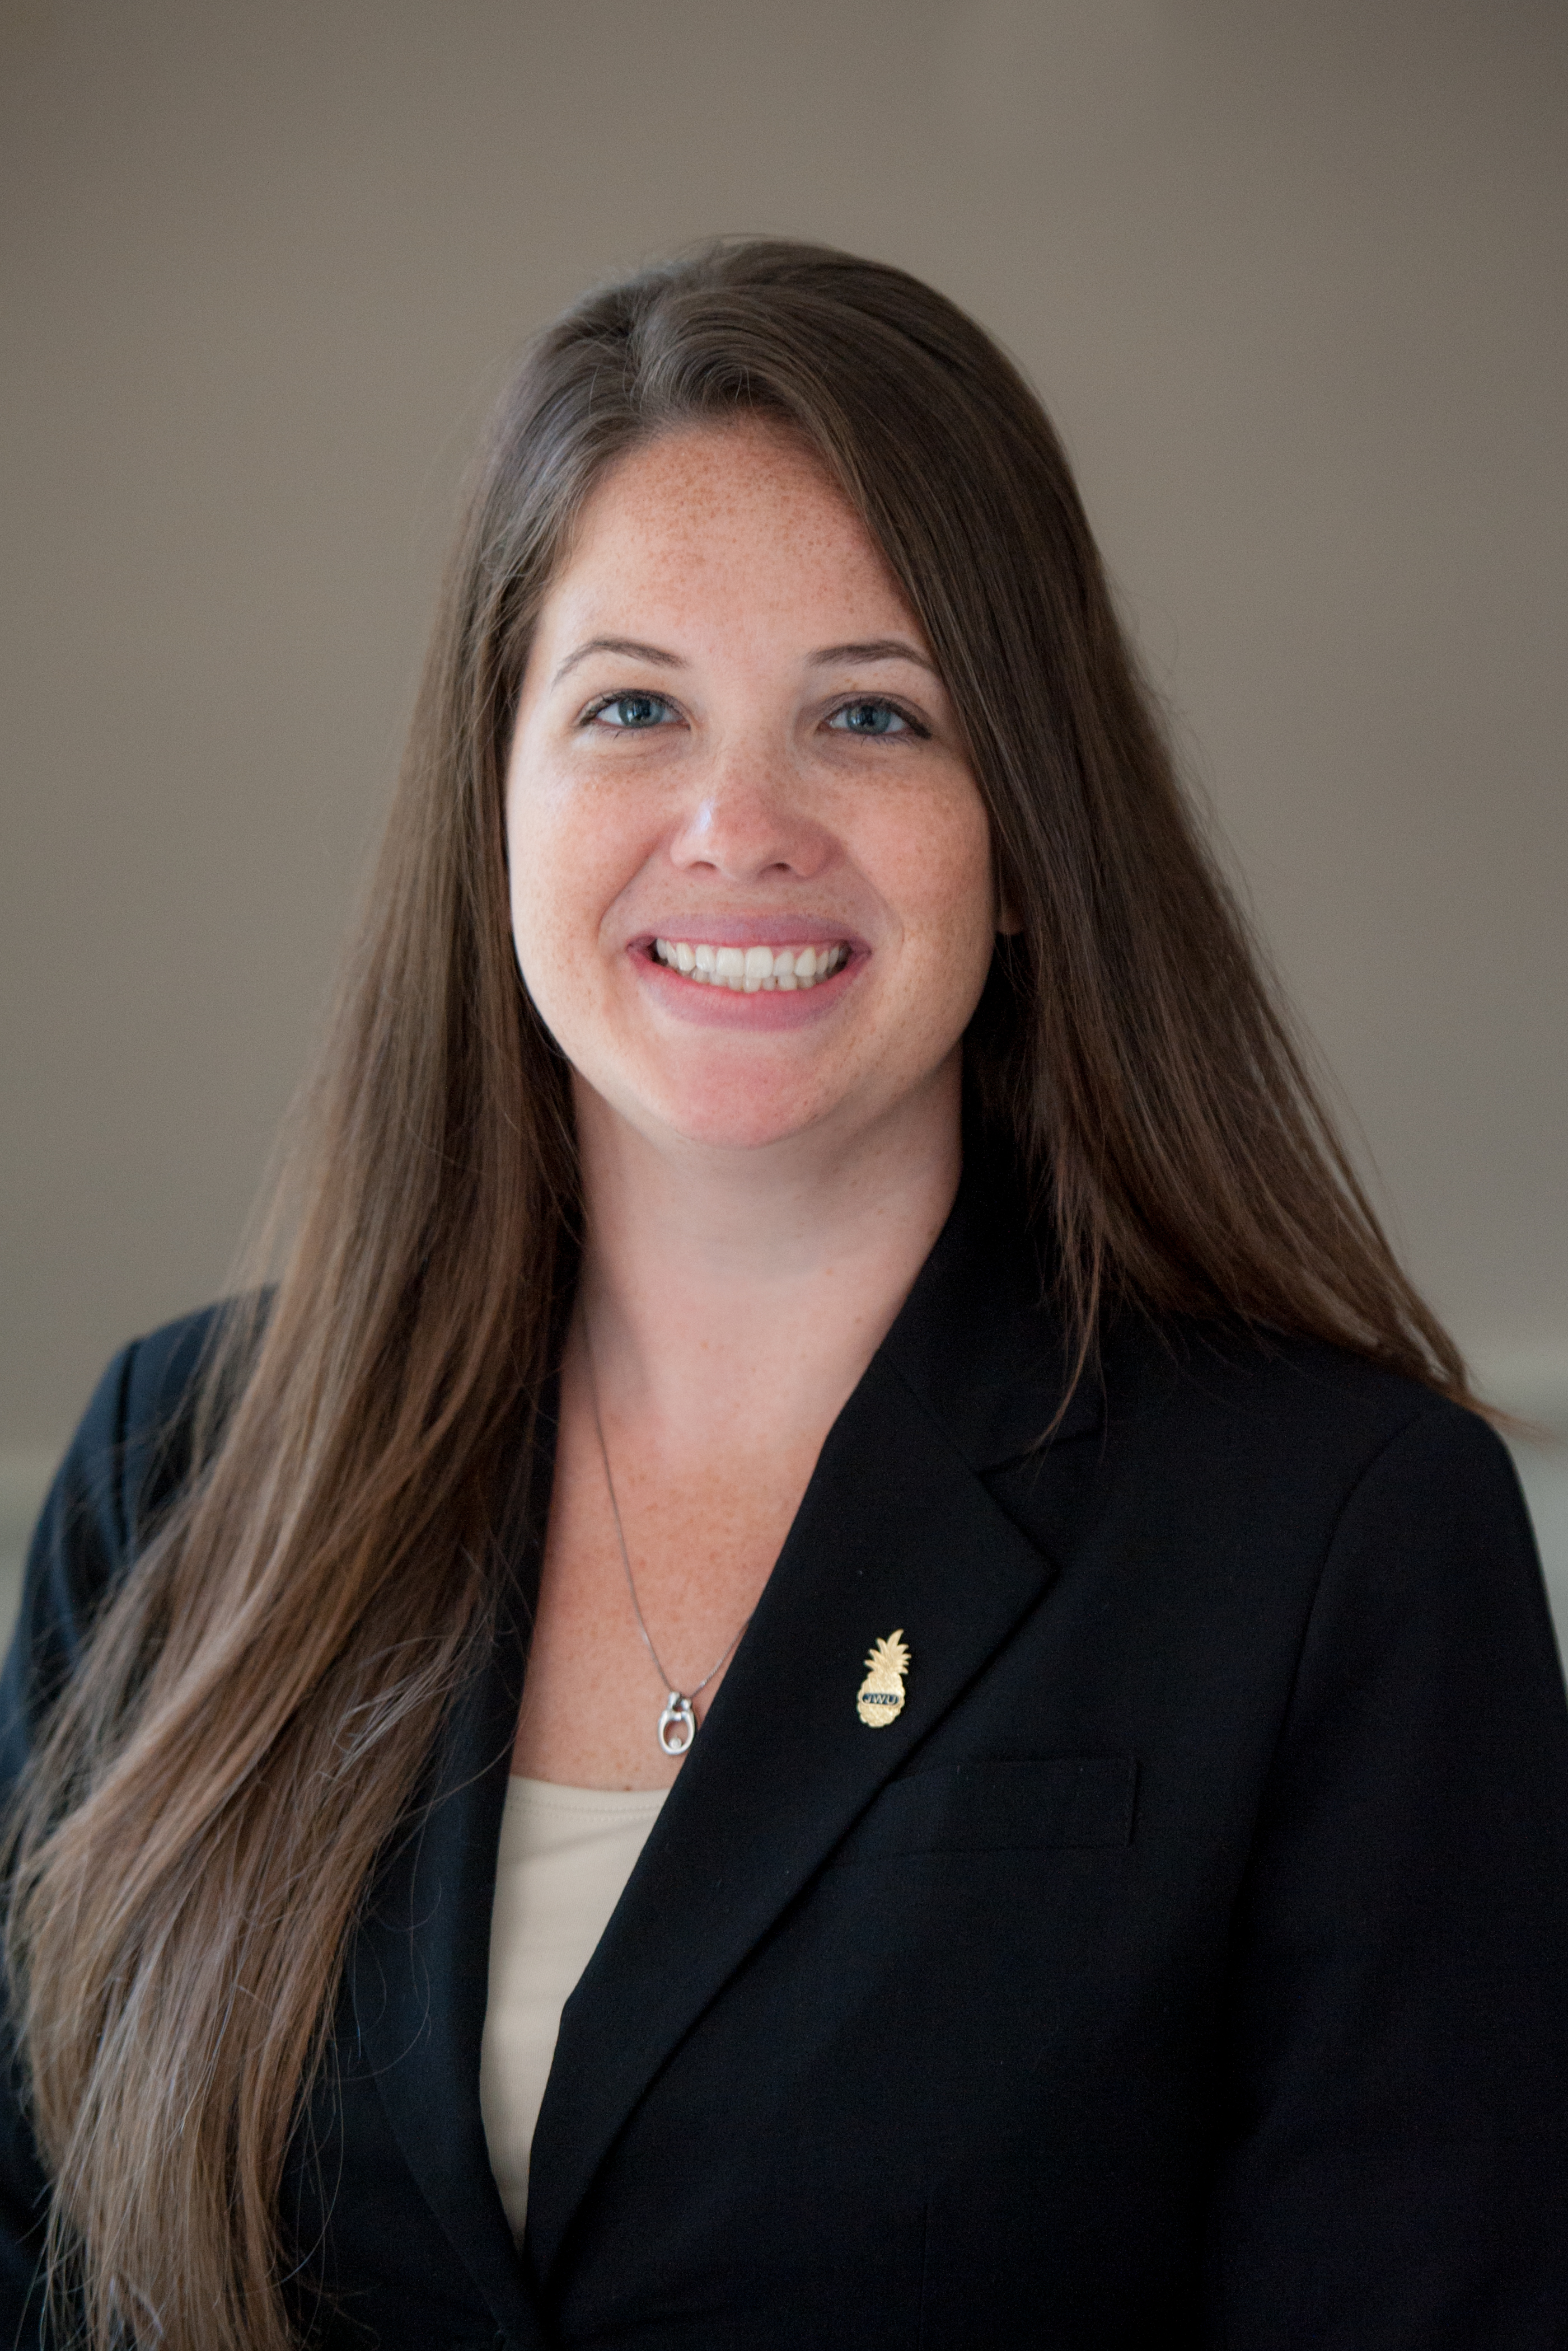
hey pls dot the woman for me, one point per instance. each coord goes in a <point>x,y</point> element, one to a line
<point>833,1394</point>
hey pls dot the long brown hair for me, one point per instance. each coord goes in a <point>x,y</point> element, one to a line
<point>253,1715</point>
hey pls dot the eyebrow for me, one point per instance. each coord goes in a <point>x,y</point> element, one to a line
<point>872,649</point>
<point>631,648</point>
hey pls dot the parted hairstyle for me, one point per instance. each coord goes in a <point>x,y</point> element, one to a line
<point>260,1697</point>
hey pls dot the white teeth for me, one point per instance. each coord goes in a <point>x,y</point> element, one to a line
<point>748,969</point>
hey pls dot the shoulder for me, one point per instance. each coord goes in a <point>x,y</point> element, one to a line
<point>131,1451</point>
<point>1253,1477</point>
<point>127,1463</point>
<point>1355,1508</point>
<point>1308,1416</point>
<point>1202,1436</point>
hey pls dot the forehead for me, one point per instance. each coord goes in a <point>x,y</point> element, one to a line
<point>736,519</point>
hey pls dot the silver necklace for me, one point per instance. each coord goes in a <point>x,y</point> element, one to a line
<point>677,1723</point>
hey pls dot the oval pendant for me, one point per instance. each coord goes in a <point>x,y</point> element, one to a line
<point>677,1724</point>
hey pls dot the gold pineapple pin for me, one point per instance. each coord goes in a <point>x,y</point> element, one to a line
<point>879,1698</point>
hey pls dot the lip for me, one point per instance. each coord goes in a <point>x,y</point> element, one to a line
<point>754,931</point>
<point>768,1009</point>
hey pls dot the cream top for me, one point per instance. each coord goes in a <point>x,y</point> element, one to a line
<point>565,1856</point>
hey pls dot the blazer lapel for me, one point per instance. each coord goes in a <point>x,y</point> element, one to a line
<point>419,1978</point>
<point>897,1534</point>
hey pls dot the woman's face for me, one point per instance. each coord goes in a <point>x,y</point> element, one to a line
<point>750,870</point>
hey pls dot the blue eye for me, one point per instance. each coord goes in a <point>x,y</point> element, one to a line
<point>632,712</point>
<point>872,718</point>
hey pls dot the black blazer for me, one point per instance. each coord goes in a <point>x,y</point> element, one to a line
<point>1187,1964</point>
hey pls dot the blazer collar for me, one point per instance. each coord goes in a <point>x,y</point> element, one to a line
<point>896,1533</point>
<point>980,1339</point>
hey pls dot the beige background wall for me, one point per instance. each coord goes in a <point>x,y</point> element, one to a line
<point>1290,277</point>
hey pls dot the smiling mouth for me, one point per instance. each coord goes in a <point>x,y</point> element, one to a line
<point>748,970</point>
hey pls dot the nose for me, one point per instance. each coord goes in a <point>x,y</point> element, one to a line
<point>750,823</point>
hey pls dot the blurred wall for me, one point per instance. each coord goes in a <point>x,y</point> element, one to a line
<point>1291,278</point>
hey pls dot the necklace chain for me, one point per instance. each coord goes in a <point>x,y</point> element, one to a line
<point>678,1722</point>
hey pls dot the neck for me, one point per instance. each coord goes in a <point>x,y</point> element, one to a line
<point>749,1288</point>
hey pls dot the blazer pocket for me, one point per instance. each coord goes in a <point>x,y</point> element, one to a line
<point>1027,1807</point>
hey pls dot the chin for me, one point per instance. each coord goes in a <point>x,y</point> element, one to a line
<point>719,1115</point>
<point>721,1126</point>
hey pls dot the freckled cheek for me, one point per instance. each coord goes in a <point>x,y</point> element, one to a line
<point>936,879</point>
<point>528,881</point>
<point>567,866</point>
